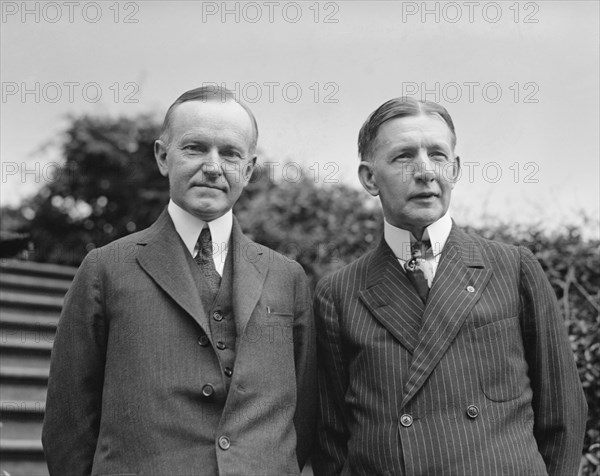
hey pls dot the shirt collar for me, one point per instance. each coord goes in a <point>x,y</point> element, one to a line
<point>189,227</point>
<point>399,240</point>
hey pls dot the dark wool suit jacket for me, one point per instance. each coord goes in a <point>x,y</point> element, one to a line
<point>129,366</point>
<point>479,381</point>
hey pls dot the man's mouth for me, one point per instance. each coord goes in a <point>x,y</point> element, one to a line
<point>205,185</point>
<point>208,187</point>
<point>424,195</point>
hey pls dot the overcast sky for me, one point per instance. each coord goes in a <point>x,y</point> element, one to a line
<point>521,80</point>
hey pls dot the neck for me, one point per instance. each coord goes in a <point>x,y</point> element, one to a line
<point>417,232</point>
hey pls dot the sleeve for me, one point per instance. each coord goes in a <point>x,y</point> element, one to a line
<point>74,399</point>
<point>305,364</point>
<point>332,430</point>
<point>559,404</point>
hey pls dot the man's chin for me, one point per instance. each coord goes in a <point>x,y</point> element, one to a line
<point>206,210</point>
<point>417,219</point>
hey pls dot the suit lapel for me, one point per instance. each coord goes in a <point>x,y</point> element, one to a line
<point>391,298</point>
<point>458,284</point>
<point>250,268</point>
<point>163,258</point>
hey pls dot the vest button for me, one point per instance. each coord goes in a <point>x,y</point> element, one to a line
<point>406,420</point>
<point>221,345</point>
<point>203,340</point>
<point>208,390</point>
<point>217,316</point>
<point>224,443</point>
<point>228,371</point>
<point>473,411</point>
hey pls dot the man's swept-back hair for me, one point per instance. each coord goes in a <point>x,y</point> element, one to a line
<point>394,109</point>
<point>205,94</point>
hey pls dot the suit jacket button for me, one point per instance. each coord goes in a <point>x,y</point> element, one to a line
<point>217,316</point>
<point>203,340</point>
<point>224,443</point>
<point>406,420</point>
<point>208,390</point>
<point>228,371</point>
<point>472,411</point>
<point>221,345</point>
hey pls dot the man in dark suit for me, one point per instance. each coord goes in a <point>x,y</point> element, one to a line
<point>440,353</point>
<point>186,348</point>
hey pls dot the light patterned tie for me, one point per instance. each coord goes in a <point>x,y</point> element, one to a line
<point>205,260</point>
<point>418,270</point>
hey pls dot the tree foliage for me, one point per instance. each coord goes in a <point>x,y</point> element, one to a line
<point>110,186</point>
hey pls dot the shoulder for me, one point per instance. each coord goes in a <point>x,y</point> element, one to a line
<point>351,275</point>
<point>120,252</point>
<point>245,248</point>
<point>513,258</point>
<point>492,250</point>
<point>119,246</point>
<point>135,238</point>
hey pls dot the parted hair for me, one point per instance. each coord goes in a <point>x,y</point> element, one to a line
<point>205,94</point>
<point>394,109</point>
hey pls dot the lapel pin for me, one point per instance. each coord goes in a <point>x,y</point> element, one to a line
<point>470,289</point>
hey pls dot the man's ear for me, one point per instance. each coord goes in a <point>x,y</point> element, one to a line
<point>160,154</point>
<point>367,178</point>
<point>248,169</point>
<point>455,170</point>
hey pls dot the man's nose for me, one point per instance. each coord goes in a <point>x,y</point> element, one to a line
<point>211,165</point>
<point>425,169</point>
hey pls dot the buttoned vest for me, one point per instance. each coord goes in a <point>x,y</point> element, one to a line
<point>218,306</point>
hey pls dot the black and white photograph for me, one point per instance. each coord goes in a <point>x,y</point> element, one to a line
<point>268,238</point>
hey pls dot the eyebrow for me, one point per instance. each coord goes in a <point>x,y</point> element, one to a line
<point>222,141</point>
<point>412,147</point>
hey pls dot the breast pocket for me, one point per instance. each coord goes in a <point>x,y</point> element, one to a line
<point>502,365</point>
<point>280,316</point>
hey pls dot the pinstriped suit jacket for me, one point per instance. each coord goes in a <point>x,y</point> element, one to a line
<point>489,336</point>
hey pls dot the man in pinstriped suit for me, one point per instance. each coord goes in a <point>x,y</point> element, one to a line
<point>473,377</point>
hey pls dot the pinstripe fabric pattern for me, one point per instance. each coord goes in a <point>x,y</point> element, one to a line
<point>489,336</point>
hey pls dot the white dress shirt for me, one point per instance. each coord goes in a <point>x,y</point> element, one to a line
<point>400,240</point>
<point>188,227</point>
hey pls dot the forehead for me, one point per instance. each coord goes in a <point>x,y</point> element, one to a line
<point>211,115</point>
<point>423,130</point>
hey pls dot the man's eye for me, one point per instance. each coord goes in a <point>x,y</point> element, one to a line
<point>403,157</point>
<point>231,154</point>
<point>193,148</point>
<point>438,156</point>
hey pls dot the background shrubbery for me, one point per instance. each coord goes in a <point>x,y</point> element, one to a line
<point>110,186</point>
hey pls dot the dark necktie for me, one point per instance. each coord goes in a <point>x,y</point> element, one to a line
<point>205,260</point>
<point>418,270</point>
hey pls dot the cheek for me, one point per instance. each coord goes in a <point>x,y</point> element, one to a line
<point>395,194</point>
<point>392,180</point>
<point>446,185</point>
<point>235,190</point>
<point>185,170</point>
<point>176,178</point>
<point>447,175</point>
<point>236,178</point>
<point>179,180</point>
